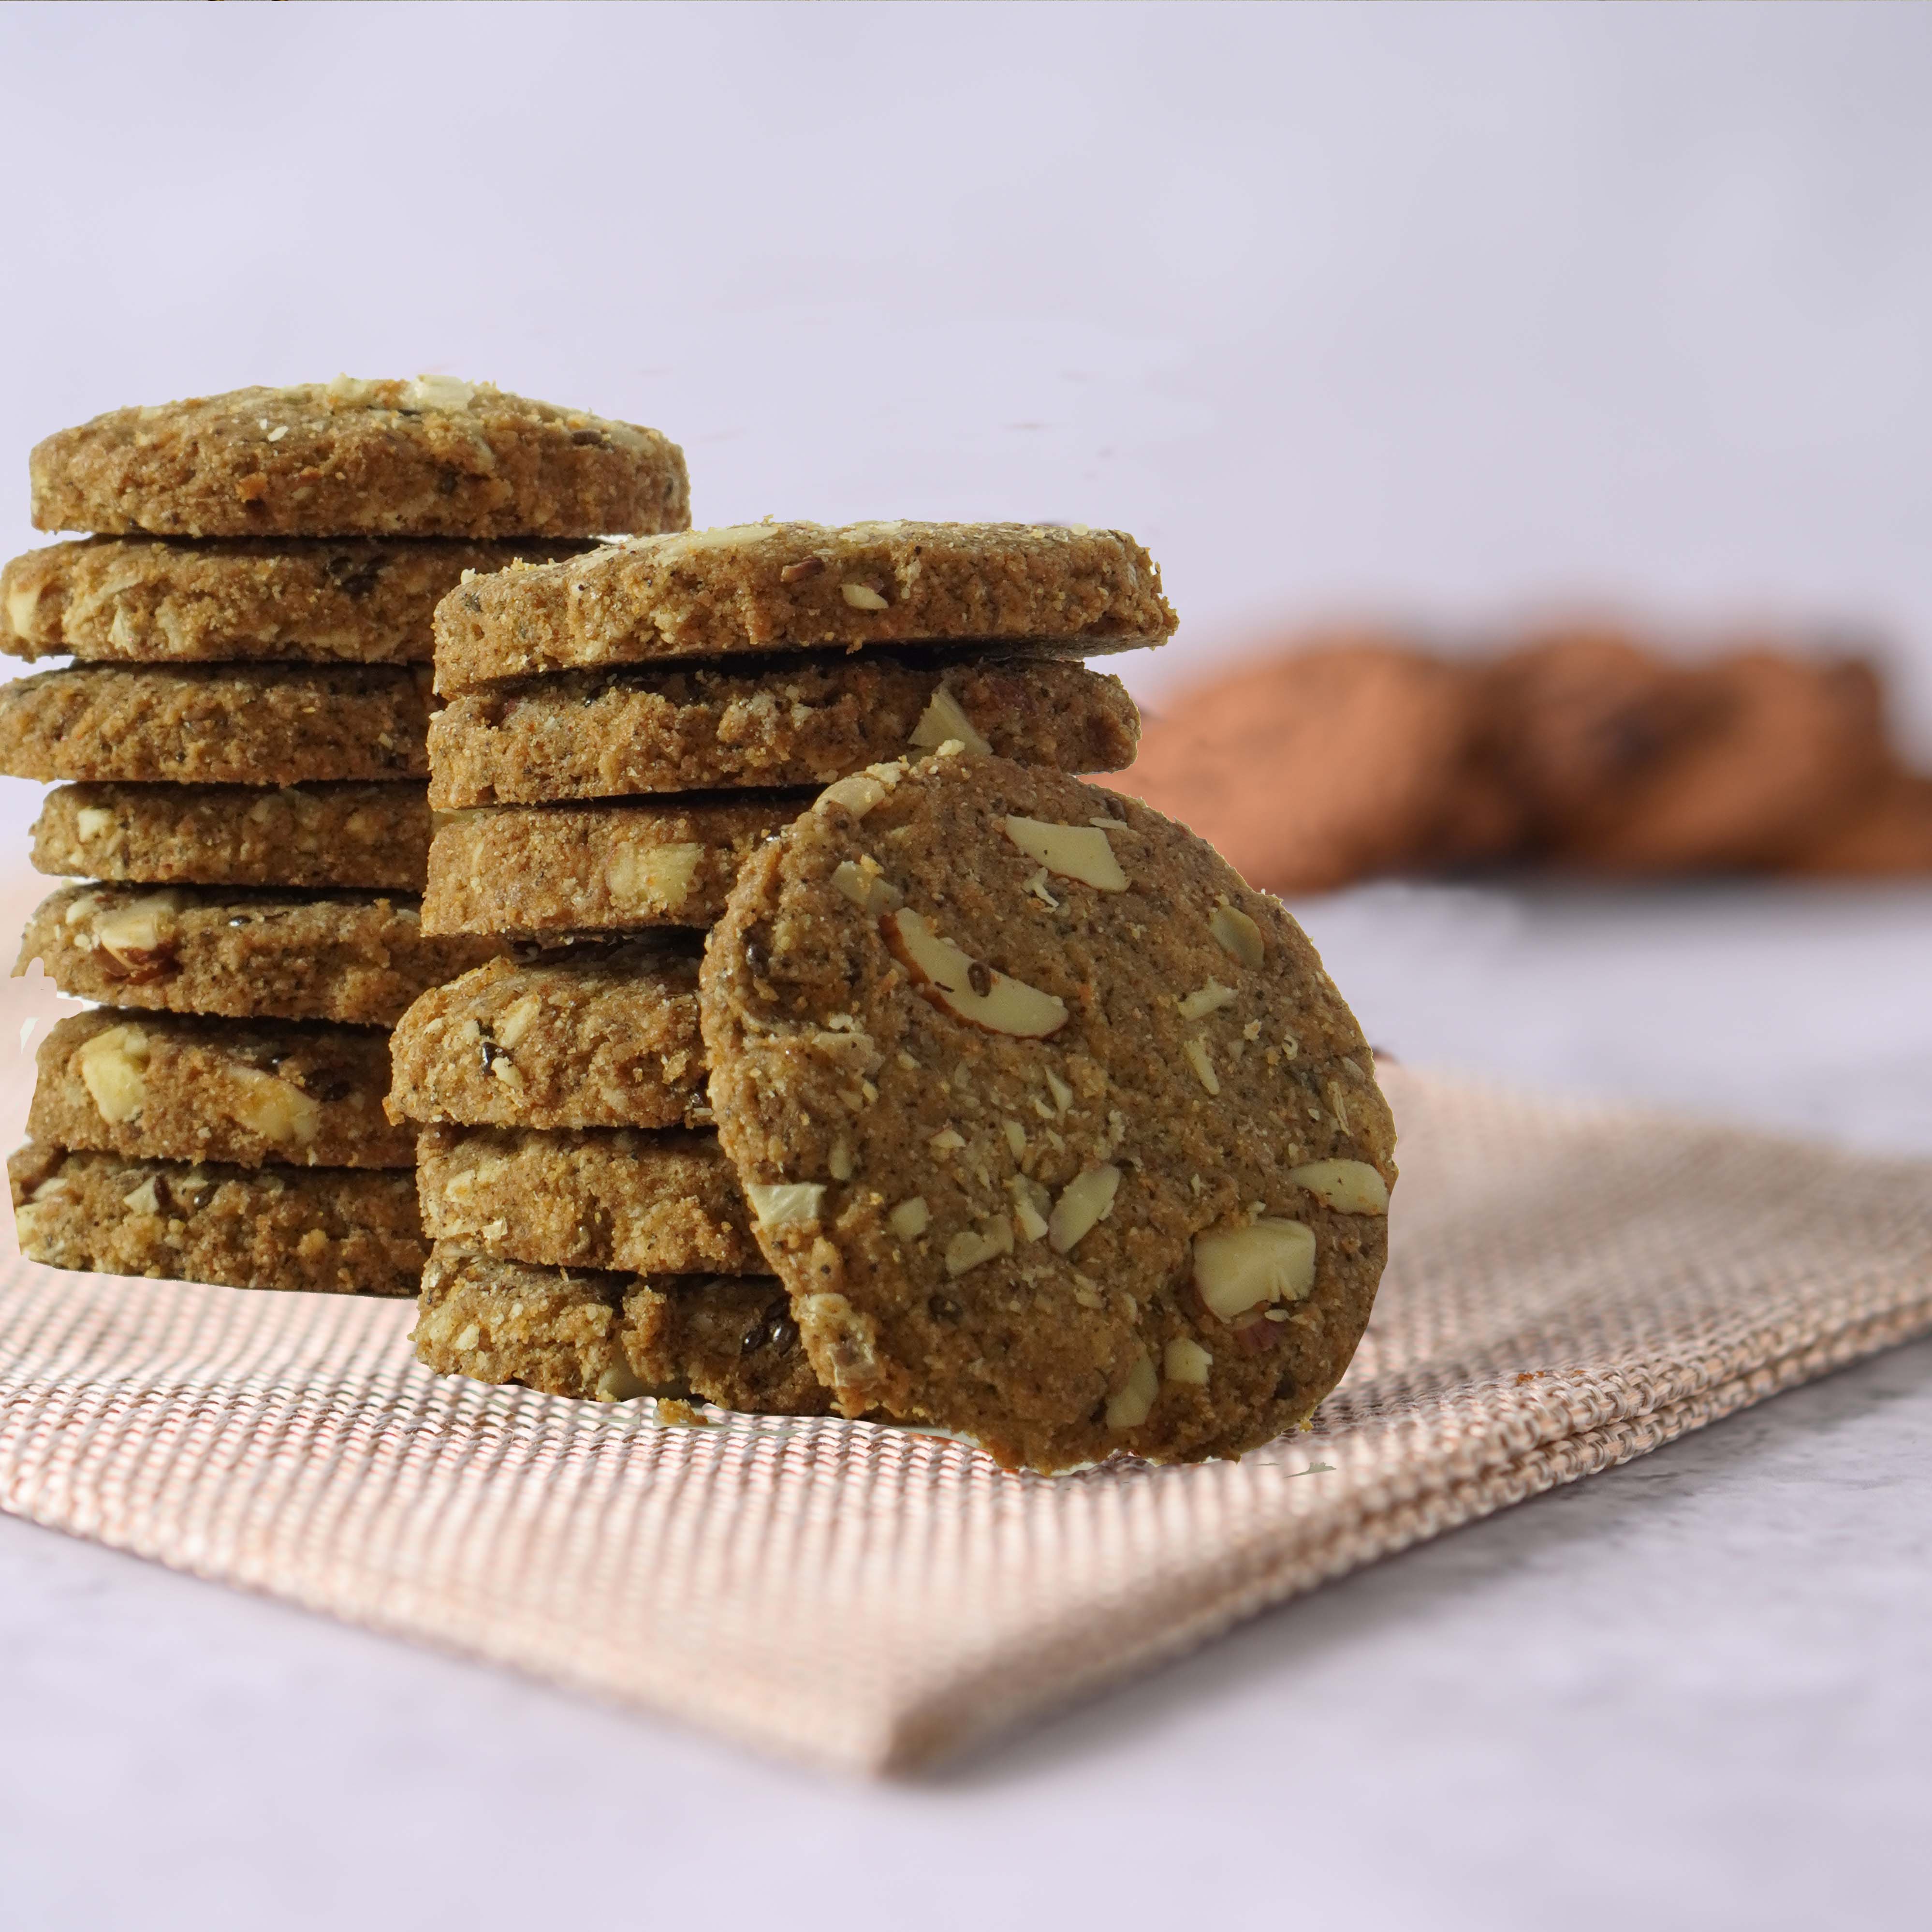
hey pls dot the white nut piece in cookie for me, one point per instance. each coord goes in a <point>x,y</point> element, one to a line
<point>863,597</point>
<point>113,1069</point>
<point>1082,852</point>
<point>1237,935</point>
<point>872,892</point>
<point>909,1219</point>
<point>1185,1360</point>
<point>1237,1269</point>
<point>1133,1403</point>
<point>1208,999</point>
<point>135,934</point>
<point>969,987</point>
<point>944,721</point>
<point>1030,1201</point>
<point>145,1199</point>
<point>1196,1049</point>
<point>858,792</point>
<point>275,1108</point>
<point>437,392</point>
<point>786,1203</point>
<point>1085,1201</point>
<point>652,878</point>
<point>972,1246</point>
<point>1348,1186</point>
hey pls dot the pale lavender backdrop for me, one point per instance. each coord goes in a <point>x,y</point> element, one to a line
<point>1442,310</point>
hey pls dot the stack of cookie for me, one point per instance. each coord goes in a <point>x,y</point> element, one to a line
<point>241,748</point>
<point>621,731</point>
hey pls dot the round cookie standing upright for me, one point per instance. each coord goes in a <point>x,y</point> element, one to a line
<point>1057,1134</point>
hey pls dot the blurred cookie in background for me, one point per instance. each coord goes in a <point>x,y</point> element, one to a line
<point>1584,748</point>
<point>1779,748</point>
<point>1573,721</point>
<point>1890,833</point>
<point>1349,758</point>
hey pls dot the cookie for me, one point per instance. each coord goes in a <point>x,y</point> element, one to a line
<point>607,1197</point>
<point>166,1087</point>
<point>1574,718</point>
<point>608,1337</point>
<point>146,600</point>
<point>601,1036</point>
<point>607,734</point>
<point>358,959</point>
<point>762,587</point>
<point>1339,763</point>
<point>435,458</point>
<point>1781,747</point>
<point>254,724</point>
<point>374,836</point>
<point>1888,836</point>
<point>543,871</point>
<point>332,1230</point>
<point>1057,1134</point>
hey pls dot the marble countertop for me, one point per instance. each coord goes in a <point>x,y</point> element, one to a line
<point>1695,1691</point>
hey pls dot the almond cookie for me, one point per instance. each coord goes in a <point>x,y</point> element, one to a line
<point>803,587</point>
<point>599,1037</point>
<point>255,724</point>
<point>146,600</point>
<point>1057,1134</point>
<point>331,1231</point>
<point>605,1337</point>
<point>605,734</point>
<point>357,959</point>
<point>606,1198</point>
<point>374,836</point>
<point>546,871</point>
<point>435,458</point>
<point>1339,763</point>
<point>166,1088</point>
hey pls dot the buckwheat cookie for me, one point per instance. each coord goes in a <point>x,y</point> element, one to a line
<point>162,1087</point>
<point>771,587</point>
<point>148,600</point>
<point>358,959</point>
<point>1340,762</point>
<point>603,1197</point>
<point>374,836</point>
<point>604,734</point>
<point>607,1337</point>
<point>333,1230</point>
<point>435,458</point>
<point>601,1036</point>
<point>1057,1133</point>
<point>542,871</point>
<point>216,724</point>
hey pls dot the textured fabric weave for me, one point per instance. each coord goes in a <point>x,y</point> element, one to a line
<point>1570,1287</point>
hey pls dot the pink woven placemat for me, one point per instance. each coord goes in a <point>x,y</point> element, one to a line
<point>1570,1287</point>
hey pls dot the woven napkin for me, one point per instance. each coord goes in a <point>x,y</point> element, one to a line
<point>1568,1287</point>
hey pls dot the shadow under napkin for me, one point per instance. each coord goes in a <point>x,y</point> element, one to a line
<point>1570,1287</point>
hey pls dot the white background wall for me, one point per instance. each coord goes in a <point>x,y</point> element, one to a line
<point>1439,309</point>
